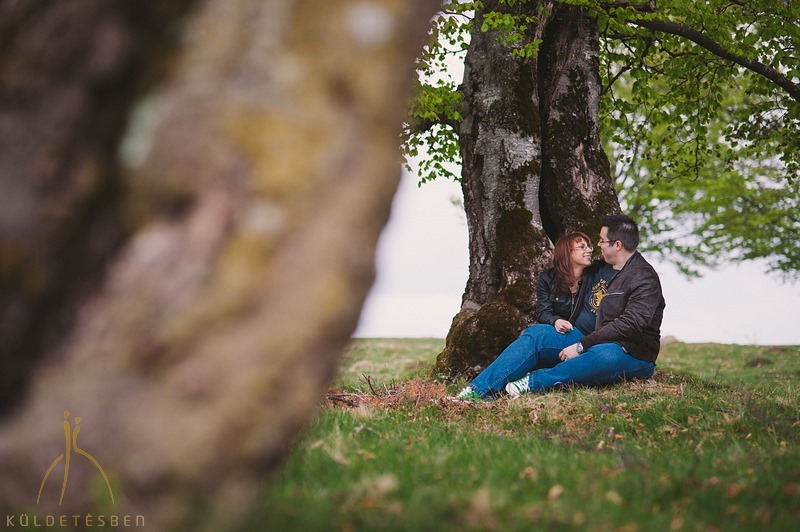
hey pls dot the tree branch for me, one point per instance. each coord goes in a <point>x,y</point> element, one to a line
<point>650,6</point>
<point>717,49</point>
<point>419,125</point>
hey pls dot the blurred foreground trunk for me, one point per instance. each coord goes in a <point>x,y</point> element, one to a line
<point>191,199</point>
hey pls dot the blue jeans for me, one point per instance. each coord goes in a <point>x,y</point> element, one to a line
<point>535,354</point>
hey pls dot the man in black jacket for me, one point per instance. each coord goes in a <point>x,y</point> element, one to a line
<point>631,312</point>
<point>624,344</point>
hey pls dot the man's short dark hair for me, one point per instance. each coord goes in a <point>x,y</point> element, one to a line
<point>622,228</point>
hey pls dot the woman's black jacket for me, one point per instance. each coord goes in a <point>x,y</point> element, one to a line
<point>557,305</point>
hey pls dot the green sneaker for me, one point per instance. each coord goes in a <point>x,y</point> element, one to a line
<point>517,388</point>
<point>469,394</point>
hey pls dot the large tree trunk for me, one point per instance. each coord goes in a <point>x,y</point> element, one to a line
<point>70,72</point>
<point>532,168</point>
<point>235,221</point>
<point>577,187</point>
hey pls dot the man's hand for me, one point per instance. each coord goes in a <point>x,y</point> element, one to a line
<point>571,351</point>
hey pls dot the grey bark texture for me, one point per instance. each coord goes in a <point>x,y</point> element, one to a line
<point>188,234</point>
<point>533,168</point>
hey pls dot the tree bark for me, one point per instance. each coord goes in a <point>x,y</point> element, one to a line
<point>532,168</point>
<point>234,221</point>
<point>500,140</point>
<point>577,187</point>
<point>70,72</point>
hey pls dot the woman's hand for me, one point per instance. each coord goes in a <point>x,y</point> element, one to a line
<point>563,326</point>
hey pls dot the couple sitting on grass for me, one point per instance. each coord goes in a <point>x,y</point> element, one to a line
<point>599,321</point>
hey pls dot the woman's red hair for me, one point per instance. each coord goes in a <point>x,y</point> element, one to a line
<point>561,261</point>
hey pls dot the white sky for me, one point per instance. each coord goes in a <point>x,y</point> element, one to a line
<point>423,267</point>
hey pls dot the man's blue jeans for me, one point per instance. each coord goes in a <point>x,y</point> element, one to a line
<point>535,353</point>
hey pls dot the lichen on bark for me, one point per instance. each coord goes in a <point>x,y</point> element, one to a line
<point>532,168</point>
<point>253,215</point>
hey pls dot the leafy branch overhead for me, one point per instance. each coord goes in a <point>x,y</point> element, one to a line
<point>700,116</point>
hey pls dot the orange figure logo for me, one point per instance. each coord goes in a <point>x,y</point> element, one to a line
<point>72,445</point>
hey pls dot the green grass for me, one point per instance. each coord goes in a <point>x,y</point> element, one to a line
<point>386,360</point>
<point>711,443</point>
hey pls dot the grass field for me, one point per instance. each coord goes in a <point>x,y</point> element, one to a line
<point>710,443</point>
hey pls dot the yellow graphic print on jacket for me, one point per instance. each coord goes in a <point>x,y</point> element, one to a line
<point>598,292</point>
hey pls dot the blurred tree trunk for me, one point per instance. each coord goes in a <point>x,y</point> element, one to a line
<point>532,168</point>
<point>70,72</point>
<point>192,193</point>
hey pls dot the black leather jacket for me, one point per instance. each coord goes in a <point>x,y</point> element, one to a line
<point>553,305</point>
<point>631,311</point>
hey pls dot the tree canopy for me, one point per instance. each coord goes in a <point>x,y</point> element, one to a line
<point>700,117</point>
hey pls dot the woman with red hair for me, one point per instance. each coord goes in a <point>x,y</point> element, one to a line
<point>560,290</point>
